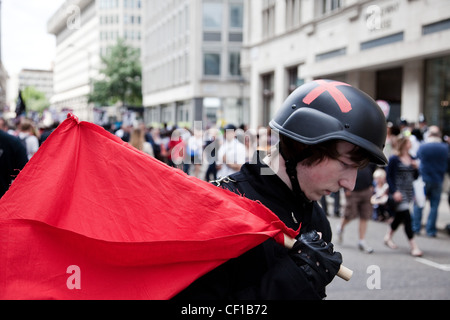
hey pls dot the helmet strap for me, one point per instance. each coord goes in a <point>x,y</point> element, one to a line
<point>291,170</point>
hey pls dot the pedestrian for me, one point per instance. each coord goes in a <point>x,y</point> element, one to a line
<point>327,131</point>
<point>27,135</point>
<point>148,136</point>
<point>250,144</point>
<point>175,149</point>
<point>433,156</point>
<point>13,157</point>
<point>231,154</point>
<point>336,203</point>
<point>211,147</point>
<point>358,205</point>
<point>402,170</point>
<point>194,150</point>
<point>137,140</point>
<point>380,197</point>
<point>393,131</point>
<point>47,132</point>
<point>4,124</point>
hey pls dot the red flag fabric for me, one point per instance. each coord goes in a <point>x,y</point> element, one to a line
<point>90,217</point>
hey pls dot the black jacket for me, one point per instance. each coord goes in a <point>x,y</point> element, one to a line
<point>13,158</point>
<point>267,271</point>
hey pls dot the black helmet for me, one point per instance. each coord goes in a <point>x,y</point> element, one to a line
<point>325,110</point>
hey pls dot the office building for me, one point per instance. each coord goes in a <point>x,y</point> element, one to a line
<point>41,80</point>
<point>84,31</point>
<point>395,50</point>
<point>191,62</point>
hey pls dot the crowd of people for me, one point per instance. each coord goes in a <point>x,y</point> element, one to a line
<point>416,153</point>
<point>206,154</point>
<point>303,156</point>
<point>19,141</point>
<point>419,158</point>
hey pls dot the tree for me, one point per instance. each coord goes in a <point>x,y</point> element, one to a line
<point>120,78</point>
<point>35,100</point>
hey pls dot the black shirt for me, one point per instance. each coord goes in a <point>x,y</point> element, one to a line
<point>266,271</point>
<point>13,157</point>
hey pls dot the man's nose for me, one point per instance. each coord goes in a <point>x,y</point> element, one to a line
<point>348,182</point>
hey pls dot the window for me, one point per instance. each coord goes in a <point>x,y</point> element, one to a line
<point>293,13</point>
<point>330,5</point>
<point>235,64</point>
<point>268,18</point>
<point>236,16</point>
<point>212,15</point>
<point>292,74</point>
<point>267,98</point>
<point>211,64</point>
<point>212,22</point>
<point>437,93</point>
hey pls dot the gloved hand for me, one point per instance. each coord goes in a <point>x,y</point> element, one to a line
<point>317,259</point>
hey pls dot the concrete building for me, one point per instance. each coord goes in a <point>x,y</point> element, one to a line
<point>395,50</point>
<point>191,62</point>
<point>3,89</point>
<point>84,31</point>
<point>3,74</point>
<point>41,80</point>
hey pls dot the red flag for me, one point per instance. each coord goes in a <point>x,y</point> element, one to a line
<point>90,217</point>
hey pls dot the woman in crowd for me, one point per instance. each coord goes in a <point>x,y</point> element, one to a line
<point>402,170</point>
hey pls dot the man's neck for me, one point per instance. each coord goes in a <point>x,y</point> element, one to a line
<point>277,164</point>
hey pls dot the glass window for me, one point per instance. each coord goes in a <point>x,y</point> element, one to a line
<point>293,13</point>
<point>211,62</point>
<point>437,93</point>
<point>268,19</point>
<point>330,5</point>
<point>236,15</point>
<point>292,74</point>
<point>212,15</point>
<point>267,97</point>
<point>235,64</point>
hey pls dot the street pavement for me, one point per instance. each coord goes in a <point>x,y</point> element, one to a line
<point>390,274</point>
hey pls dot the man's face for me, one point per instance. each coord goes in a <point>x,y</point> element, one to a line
<point>230,135</point>
<point>329,175</point>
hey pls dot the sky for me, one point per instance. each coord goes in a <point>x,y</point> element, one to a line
<point>25,40</point>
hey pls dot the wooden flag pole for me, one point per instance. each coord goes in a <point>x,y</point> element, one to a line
<point>343,273</point>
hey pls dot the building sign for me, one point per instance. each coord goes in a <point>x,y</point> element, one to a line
<point>380,17</point>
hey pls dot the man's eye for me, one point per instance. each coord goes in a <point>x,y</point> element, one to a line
<point>349,165</point>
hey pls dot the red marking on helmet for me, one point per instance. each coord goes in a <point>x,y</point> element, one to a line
<point>330,87</point>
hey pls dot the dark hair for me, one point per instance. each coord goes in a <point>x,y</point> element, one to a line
<point>292,149</point>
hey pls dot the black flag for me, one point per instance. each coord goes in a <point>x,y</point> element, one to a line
<point>20,106</point>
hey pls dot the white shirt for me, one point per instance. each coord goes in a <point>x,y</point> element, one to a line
<point>234,153</point>
<point>31,143</point>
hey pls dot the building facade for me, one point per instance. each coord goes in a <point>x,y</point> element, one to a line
<point>84,31</point>
<point>3,74</point>
<point>3,89</point>
<point>41,80</point>
<point>191,62</point>
<point>395,50</point>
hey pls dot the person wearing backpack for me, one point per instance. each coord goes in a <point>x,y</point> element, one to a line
<point>28,137</point>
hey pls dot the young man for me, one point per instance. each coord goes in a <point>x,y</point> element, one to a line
<point>327,131</point>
